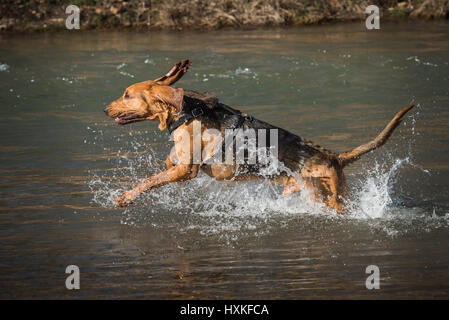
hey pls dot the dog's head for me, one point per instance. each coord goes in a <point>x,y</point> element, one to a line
<point>146,100</point>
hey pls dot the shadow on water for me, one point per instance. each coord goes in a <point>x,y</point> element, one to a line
<point>63,162</point>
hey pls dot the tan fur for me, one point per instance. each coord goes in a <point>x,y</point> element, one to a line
<point>354,154</point>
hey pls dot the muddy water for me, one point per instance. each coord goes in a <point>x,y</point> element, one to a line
<point>62,163</point>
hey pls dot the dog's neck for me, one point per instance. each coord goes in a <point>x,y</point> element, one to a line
<point>175,116</point>
<point>191,108</point>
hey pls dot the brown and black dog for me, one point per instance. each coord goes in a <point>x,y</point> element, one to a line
<point>316,169</point>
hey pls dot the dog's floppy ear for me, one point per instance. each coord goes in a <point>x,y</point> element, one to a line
<point>163,116</point>
<point>175,73</point>
<point>170,96</point>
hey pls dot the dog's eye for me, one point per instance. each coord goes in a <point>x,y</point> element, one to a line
<point>127,95</point>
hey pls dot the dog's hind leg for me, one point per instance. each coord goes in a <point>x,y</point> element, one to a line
<point>325,190</point>
<point>332,194</point>
<point>322,183</point>
<point>291,186</point>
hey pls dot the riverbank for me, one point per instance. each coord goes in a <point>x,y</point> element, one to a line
<point>41,15</point>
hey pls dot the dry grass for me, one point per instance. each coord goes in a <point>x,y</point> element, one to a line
<point>204,14</point>
<point>28,15</point>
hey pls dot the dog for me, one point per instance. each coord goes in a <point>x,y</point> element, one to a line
<point>312,168</point>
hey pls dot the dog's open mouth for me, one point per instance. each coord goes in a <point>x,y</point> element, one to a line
<point>129,119</point>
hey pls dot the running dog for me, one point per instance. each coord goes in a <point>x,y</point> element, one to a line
<point>310,166</point>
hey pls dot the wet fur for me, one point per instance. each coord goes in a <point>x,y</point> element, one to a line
<point>318,170</point>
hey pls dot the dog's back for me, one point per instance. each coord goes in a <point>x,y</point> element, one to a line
<point>292,150</point>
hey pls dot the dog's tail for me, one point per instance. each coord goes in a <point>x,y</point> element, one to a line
<point>354,154</point>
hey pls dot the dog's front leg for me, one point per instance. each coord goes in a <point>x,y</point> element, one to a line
<point>168,161</point>
<point>177,173</point>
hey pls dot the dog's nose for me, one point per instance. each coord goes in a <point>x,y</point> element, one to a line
<point>106,110</point>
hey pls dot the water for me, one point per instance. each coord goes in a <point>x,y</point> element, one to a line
<point>63,162</point>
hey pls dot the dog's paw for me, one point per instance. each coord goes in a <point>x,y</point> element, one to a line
<point>123,201</point>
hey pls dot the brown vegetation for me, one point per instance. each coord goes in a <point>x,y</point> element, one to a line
<point>26,15</point>
<point>432,9</point>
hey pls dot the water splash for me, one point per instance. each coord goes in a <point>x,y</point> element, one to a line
<point>4,67</point>
<point>371,196</point>
<point>240,72</point>
<point>231,210</point>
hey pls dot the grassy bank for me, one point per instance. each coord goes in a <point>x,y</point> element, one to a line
<point>38,15</point>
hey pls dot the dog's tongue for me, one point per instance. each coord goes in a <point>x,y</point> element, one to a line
<point>122,120</point>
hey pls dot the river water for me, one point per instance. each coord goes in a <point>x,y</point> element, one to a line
<point>63,162</point>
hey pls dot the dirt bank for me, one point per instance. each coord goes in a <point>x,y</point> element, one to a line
<point>39,15</point>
